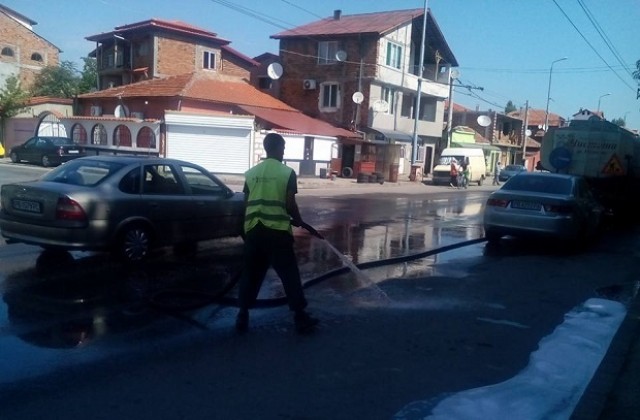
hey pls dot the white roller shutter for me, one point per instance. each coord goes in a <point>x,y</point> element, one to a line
<point>219,144</point>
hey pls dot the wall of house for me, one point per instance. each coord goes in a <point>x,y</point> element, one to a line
<point>234,66</point>
<point>175,56</point>
<point>300,62</point>
<point>24,43</point>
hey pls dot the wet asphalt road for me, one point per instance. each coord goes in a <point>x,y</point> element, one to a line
<point>78,337</point>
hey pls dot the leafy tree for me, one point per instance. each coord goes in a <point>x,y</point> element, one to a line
<point>57,81</point>
<point>12,100</point>
<point>510,107</point>
<point>88,78</point>
<point>619,122</point>
<point>636,74</point>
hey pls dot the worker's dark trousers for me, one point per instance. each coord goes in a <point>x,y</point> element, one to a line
<point>264,247</point>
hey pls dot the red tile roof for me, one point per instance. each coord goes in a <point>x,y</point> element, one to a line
<point>298,122</point>
<point>537,116</point>
<point>209,87</point>
<point>377,23</point>
<point>173,26</point>
<point>227,90</point>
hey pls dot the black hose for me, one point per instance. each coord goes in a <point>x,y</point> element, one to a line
<point>201,299</point>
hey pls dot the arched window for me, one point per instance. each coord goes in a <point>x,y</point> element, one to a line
<point>99,135</point>
<point>146,139</point>
<point>122,136</point>
<point>36,57</point>
<point>79,134</point>
<point>7,52</point>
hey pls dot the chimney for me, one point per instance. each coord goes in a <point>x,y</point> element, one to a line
<point>336,14</point>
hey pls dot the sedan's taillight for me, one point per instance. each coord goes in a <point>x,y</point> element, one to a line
<point>497,202</point>
<point>61,151</point>
<point>557,208</point>
<point>68,209</point>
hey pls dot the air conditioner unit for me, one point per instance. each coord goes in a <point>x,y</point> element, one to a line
<point>96,111</point>
<point>309,84</point>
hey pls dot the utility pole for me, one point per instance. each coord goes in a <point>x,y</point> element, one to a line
<point>414,143</point>
<point>524,132</point>
<point>450,116</point>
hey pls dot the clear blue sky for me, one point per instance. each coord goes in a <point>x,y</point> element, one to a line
<point>504,46</point>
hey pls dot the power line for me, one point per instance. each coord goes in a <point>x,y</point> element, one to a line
<point>303,9</point>
<point>603,35</point>
<point>591,46</point>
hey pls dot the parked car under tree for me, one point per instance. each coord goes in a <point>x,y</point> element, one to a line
<point>124,204</point>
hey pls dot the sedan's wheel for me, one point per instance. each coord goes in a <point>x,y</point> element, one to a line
<point>46,162</point>
<point>134,243</point>
<point>14,157</point>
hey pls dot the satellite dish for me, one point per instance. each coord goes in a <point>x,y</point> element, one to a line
<point>274,71</point>
<point>358,97</point>
<point>527,132</point>
<point>484,121</point>
<point>121,111</point>
<point>455,74</point>
<point>380,105</point>
<point>341,55</point>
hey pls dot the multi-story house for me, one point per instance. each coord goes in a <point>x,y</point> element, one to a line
<point>158,48</point>
<point>23,53</point>
<point>362,72</point>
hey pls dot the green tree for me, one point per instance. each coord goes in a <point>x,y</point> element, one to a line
<point>13,99</point>
<point>636,74</point>
<point>57,81</point>
<point>88,78</point>
<point>510,107</point>
<point>620,122</point>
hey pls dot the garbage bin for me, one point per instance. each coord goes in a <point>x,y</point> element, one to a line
<point>323,173</point>
<point>393,172</point>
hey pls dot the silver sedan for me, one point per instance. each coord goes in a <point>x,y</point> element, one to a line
<point>124,204</point>
<point>543,204</point>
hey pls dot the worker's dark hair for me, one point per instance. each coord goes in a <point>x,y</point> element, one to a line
<point>272,142</point>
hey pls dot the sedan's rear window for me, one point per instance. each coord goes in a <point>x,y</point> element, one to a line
<point>539,184</point>
<point>83,172</point>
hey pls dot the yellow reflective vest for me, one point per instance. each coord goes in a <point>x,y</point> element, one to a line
<point>267,200</point>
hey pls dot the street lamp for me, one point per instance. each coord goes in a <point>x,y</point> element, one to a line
<point>602,96</point>
<point>546,112</point>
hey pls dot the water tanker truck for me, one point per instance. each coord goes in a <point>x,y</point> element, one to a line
<point>608,156</point>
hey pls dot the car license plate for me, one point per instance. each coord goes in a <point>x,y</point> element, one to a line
<point>72,152</point>
<point>25,205</point>
<point>526,205</point>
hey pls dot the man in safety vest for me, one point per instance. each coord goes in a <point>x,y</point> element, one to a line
<point>271,209</point>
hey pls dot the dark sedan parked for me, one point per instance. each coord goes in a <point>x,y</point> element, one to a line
<point>124,204</point>
<point>47,151</point>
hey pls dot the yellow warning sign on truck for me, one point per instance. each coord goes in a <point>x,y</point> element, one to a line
<point>613,166</point>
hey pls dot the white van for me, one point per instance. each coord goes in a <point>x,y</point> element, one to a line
<point>475,157</point>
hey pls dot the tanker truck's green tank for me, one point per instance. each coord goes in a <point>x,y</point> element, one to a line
<point>608,156</point>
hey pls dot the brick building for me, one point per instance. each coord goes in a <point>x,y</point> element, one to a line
<point>157,48</point>
<point>23,53</point>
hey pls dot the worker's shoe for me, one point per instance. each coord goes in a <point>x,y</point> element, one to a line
<point>305,323</point>
<point>242,321</point>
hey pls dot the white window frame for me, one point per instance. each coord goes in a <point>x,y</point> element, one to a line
<point>327,52</point>
<point>329,104</point>
<point>389,95</point>
<point>209,60</point>
<point>394,55</point>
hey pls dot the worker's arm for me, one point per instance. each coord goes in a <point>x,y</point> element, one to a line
<point>291,204</point>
